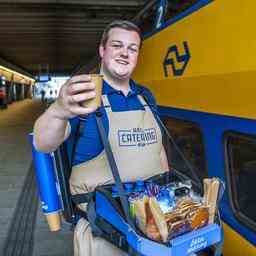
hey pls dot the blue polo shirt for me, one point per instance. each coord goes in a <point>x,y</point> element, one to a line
<point>89,144</point>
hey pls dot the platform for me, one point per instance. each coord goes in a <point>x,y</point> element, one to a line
<point>24,230</point>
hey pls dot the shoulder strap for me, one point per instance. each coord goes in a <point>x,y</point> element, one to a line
<point>114,169</point>
<point>148,97</point>
<point>169,136</point>
<point>78,132</point>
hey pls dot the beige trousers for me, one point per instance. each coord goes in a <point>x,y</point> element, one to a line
<point>87,245</point>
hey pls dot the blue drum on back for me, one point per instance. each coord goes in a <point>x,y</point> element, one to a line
<point>47,185</point>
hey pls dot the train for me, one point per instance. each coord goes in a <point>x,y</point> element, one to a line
<point>14,86</point>
<point>202,72</point>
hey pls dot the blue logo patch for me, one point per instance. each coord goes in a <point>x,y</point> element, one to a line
<point>177,61</point>
<point>137,137</point>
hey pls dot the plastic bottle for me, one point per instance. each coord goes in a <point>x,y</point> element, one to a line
<point>128,187</point>
<point>114,191</point>
<point>139,186</point>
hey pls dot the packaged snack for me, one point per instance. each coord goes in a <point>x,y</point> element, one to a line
<point>152,189</point>
<point>162,215</point>
<point>140,212</point>
<point>159,218</point>
<point>198,217</point>
<point>152,230</point>
<point>150,218</point>
<point>187,216</point>
<point>178,228</point>
<point>165,199</point>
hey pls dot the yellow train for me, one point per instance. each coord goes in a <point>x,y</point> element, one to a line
<point>202,71</point>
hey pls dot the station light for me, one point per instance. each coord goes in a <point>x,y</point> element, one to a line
<point>17,73</point>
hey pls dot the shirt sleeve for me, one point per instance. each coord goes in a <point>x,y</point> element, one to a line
<point>73,123</point>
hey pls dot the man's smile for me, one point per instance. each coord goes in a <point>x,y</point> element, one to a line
<point>121,61</point>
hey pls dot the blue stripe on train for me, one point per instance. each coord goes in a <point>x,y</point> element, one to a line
<point>213,128</point>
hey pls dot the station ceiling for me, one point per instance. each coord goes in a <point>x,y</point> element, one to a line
<point>57,35</point>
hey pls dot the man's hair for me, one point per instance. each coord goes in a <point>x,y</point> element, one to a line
<point>123,24</point>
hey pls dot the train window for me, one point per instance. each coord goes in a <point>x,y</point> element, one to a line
<point>147,21</point>
<point>189,139</point>
<point>241,173</point>
<point>175,7</point>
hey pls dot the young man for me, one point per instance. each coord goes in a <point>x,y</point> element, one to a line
<point>133,132</point>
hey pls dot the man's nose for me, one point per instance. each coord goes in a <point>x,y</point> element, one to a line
<point>124,52</point>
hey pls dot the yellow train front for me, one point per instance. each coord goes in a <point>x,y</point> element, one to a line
<point>201,68</point>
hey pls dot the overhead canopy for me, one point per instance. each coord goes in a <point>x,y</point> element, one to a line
<point>59,37</point>
<point>14,73</point>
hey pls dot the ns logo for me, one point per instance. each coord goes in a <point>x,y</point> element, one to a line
<point>177,61</point>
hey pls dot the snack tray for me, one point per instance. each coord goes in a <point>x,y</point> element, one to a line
<point>186,244</point>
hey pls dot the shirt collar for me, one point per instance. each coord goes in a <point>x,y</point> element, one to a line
<point>108,89</point>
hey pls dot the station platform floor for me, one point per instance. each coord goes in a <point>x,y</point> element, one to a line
<point>24,230</point>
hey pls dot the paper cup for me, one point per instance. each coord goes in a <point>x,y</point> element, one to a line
<point>97,79</point>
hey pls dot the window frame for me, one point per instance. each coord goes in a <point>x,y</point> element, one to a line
<point>198,126</point>
<point>232,195</point>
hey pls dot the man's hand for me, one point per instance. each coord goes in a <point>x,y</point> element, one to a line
<point>76,90</point>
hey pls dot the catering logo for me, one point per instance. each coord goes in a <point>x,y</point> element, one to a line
<point>176,60</point>
<point>197,244</point>
<point>137,137</point>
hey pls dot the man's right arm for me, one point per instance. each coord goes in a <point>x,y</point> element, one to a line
<point>51,128</point>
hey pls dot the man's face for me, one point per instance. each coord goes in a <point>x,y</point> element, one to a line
<point>120,54</point>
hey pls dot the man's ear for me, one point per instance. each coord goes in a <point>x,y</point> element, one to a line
<point>101,50</point>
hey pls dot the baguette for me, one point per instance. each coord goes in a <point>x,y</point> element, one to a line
<point>211,189</point>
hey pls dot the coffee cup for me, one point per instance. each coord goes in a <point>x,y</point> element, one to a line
<point>95,102</point>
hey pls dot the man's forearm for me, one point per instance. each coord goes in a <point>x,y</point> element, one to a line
<point>49,130</point>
